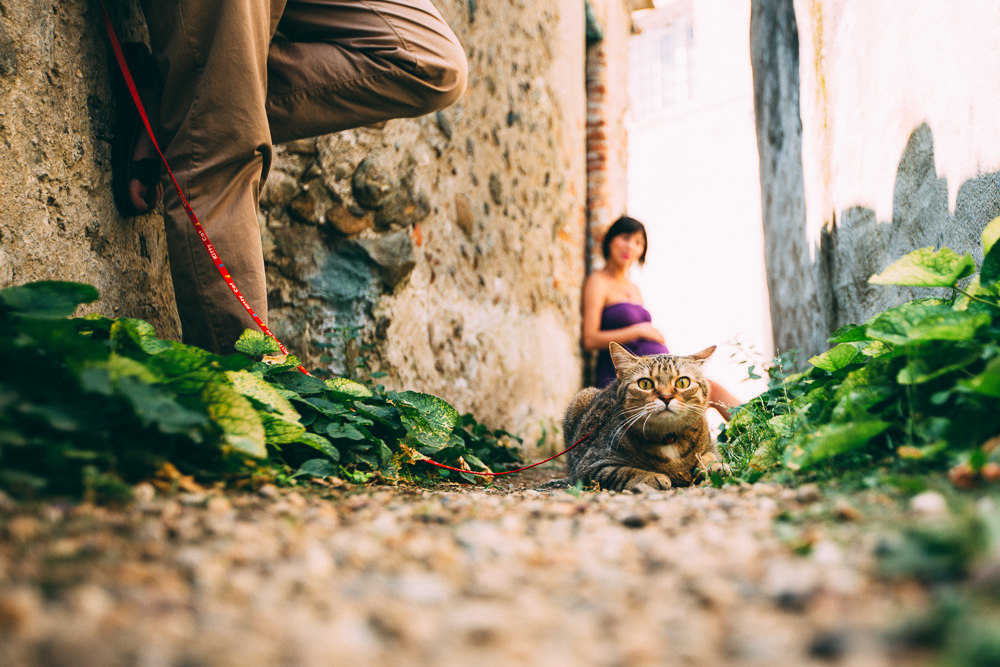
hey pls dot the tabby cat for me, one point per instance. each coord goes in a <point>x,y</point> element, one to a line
<point>648,429</point>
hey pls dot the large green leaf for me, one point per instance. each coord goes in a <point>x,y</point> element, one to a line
<point>348,387</point>
<point>317,468</point>
<point>990,235</point>
<point>829,440</point>
<point>139,332</point>
<point>849,333</point>
<point>935,362</point>
<point>48,298</point>
<point>862,389</point>
<point>988,381</point>
<point>917,322</point>
<point>321,444</point>
<point>429,420</point>
<point>345,432</point>
<point>278,430</point>
<point>236,417</point>
<point>300,383</point>
<point>157,407</point>
<point>186,368</point>
<point>120,367</point>
<point>927,267</point>
<point>987,297</point>
<point>836,358</point>
<point>263,394</point>
<point>989,273</point>
<point>256,343</point>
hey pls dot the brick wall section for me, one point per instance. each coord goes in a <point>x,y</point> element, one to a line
<point>607,101</point>
<point>598,211</point>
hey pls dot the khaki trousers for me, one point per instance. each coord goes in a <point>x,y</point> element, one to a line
<point>241,75</point>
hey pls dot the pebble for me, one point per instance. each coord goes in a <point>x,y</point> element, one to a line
<point>929,504</point>
<point>845,511</point>
<point>808,493</point>
<point>143,492</point>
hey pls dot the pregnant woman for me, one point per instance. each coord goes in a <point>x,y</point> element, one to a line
<point>613,310</point>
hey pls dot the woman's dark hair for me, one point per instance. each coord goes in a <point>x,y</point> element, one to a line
<point>624,225</point>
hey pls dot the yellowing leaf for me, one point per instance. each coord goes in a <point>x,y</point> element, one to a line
<point>236,417</point>
<point>927,267</point>
<point>990,234</point>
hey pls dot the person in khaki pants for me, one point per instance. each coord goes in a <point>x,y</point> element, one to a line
<point>241,75</point>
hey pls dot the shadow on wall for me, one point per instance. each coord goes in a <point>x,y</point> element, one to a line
<point>857,245</point>
<point>813,293</point>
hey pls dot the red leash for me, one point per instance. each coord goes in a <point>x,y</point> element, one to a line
<point>510,472</point>
<point>216,260</point>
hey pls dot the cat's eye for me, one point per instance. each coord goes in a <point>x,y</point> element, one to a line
<point>682,383</point>
<point>645,383</point>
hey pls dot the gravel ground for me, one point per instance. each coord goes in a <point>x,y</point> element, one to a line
<point>511,574</point>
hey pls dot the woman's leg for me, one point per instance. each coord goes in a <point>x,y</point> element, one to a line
<point>721,399</point>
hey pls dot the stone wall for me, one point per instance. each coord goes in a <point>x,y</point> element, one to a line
<point>447,250</point>
<point>877,137</point>
<point>57,220</point>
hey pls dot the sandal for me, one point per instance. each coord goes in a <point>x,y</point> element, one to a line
<point>129,129</point>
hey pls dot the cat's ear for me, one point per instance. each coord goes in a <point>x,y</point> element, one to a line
<point>704,354</point>
<point>620,357</point>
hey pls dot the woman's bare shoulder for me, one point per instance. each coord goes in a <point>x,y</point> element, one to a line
<point>597,279</point>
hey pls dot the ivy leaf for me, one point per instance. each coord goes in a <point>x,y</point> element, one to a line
<point>155,406</point>
<point>241,426</point>
<point>255,343</point>
<point>987,382</point>
<point>348,387</point>
<point>849,333</point>
<point>936,362</point>
<point>862,389</point>
<point>48,299</point>
<point>429,420</point>
<point>326,407</point>
<point>320,444</point>
<point>345,432</point>
<point>927,267</point>
<point>300,383</point>
<point>139,332</point>
<point>990,235</point>
<point>916,322</point>
<point>989,293</point>
<point>834,359</point>
<point>829,440</point>
<point>262,393</point>
<point>187,369</point>
<point>280,420</point>
<point>280,431</point>
<point>120,367</point>
<point>321,468</point>
<point>990,271</point>
<point>385,415</point>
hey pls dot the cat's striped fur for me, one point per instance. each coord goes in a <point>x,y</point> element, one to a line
<point>649,427</point>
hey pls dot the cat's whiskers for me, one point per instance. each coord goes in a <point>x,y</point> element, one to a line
<point>637,413</point>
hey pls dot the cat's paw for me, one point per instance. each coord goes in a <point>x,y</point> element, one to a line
<point>709,464</point>
<point>720,467</point>
<point>651,481</point>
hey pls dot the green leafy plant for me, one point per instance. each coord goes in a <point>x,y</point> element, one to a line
<point>916,386</point>
<point>87,401</point>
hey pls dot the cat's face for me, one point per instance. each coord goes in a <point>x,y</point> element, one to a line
<point>661,394</point>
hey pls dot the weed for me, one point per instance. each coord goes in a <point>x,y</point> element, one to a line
<point>88,404</point>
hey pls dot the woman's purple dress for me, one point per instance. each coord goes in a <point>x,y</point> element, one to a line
<point>619,316</point>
